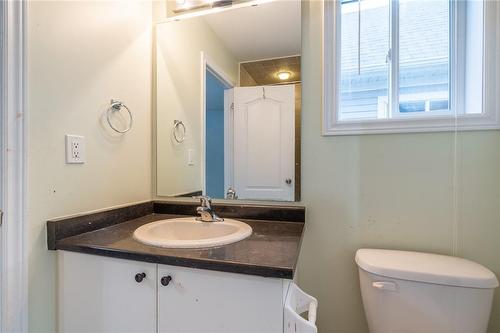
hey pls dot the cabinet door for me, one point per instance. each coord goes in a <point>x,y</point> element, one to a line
<point>199,301</point>
<point>100,294</point>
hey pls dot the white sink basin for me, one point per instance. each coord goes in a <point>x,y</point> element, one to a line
<point>190,233</point>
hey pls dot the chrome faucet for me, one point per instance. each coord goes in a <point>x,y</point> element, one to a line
<point>206,212</point>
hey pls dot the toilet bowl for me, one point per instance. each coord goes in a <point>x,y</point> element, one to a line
<point>412,292</point>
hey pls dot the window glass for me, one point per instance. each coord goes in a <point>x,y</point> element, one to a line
<point>439,104</point>
<point>412,106</point>
<point>364,78</point>
<point>424,36</point>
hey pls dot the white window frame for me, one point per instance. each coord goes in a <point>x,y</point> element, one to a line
<point>457,119</point>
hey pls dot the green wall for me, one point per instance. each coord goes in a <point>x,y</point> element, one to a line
<point>436,192</point>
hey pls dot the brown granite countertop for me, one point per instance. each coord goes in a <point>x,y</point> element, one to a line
<point>272,249</point>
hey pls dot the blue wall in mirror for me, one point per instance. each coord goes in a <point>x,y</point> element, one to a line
<point>214,168</point>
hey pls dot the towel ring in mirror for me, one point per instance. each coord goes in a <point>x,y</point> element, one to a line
<point>116,106</point>
<point>178,124</point>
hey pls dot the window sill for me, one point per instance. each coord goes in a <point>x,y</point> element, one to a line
<point>472,122</point>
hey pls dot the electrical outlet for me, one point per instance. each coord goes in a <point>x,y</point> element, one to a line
<point>75,149</point>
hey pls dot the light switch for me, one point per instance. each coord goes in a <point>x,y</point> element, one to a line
<point>75,149</point>
<point>190,157</point>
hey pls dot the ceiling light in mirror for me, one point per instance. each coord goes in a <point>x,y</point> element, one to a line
<point>190,5</point>
<point>284,75</point>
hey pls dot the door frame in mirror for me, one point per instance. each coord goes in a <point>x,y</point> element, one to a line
<point>207,64</point>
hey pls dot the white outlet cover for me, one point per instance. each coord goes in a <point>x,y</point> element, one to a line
<point>75,149</point>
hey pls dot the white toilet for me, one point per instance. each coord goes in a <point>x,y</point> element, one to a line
<point>412,292</point>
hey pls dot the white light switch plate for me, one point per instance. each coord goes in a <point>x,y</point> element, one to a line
<point>75,149</point>
<point>190,158</point>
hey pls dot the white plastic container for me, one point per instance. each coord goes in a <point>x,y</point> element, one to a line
<point>298,302</point>
<point>414,292</point>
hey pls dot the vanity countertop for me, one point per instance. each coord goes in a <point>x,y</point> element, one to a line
<point>271,251</point>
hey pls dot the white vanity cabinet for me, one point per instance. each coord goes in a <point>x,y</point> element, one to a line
<point>101,294</point>
<point>210,301</point>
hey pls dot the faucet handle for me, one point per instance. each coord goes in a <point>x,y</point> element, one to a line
<point>231,194</point>
<point>205,200</point>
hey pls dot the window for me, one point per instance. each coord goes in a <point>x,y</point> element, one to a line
<point>407,66</point>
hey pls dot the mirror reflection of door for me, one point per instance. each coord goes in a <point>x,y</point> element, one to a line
<point>264,139</point>
<point>249,141</point>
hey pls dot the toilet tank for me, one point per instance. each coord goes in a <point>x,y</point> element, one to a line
<point>413,292</point>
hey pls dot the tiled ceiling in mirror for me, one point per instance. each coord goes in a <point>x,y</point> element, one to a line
<point>266,72</point>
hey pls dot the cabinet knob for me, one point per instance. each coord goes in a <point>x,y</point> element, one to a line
<point>139,277</point>
<point>165,280</point>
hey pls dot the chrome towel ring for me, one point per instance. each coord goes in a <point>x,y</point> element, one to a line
<point>178,124</point>
<point>116,106</point>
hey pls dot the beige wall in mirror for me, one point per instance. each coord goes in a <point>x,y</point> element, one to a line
<point>228,103</point>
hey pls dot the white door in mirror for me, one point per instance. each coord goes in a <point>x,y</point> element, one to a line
<point>264,139</point>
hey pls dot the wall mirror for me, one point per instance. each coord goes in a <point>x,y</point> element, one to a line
<point>228,103</point>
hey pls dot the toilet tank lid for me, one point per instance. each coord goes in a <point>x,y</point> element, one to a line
<point>426,267</point>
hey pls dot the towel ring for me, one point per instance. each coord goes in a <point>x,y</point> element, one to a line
<point>117,106</point>
<point>178,124</point>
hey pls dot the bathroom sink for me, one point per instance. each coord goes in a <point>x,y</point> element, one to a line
<point>191,233</point>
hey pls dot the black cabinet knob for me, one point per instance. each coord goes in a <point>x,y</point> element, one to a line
<point>165,280</point>
<point>139,277</point>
